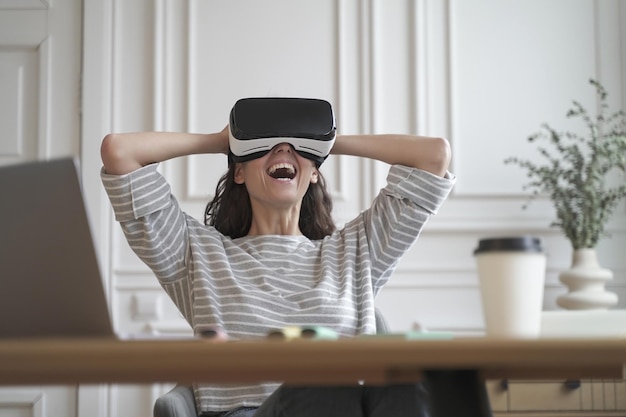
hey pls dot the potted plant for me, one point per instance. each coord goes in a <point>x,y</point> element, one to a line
<point>577,174</point>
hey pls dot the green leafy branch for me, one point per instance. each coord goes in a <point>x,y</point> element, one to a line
<point>576,170</point>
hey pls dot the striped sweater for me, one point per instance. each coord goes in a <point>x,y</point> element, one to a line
<point>254,284</point>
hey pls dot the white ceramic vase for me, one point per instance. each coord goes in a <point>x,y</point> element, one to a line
<point>586,281</point>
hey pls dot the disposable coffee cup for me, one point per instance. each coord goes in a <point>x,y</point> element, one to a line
<point>511,272</point>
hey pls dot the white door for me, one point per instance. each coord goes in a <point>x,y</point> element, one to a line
<point>39,119</point>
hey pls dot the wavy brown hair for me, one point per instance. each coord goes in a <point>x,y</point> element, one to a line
<point>230,211</point>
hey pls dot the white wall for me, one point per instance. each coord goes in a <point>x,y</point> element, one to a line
<point>483,73</point>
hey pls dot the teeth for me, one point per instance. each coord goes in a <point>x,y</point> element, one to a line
<point>290,168</point>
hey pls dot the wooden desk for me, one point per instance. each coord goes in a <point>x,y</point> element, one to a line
<point>307,361</point>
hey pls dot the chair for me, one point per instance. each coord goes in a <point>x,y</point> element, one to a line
<point>180,402</point>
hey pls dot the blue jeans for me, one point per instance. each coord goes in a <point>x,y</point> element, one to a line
<point>351,401</point>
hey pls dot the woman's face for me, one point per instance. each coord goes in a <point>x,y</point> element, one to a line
<point>278,179</point>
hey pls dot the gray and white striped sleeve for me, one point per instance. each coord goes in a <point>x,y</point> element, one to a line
<point>154,224</point>
<point>398,215</point>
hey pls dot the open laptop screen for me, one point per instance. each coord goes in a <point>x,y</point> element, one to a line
<point>50,283</point>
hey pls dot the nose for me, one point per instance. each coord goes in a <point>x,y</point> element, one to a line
<point>283,147</point>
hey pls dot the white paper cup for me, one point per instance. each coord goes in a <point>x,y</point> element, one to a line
<point>511,272</point>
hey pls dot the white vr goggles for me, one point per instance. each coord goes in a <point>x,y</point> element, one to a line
<point>259,124</point>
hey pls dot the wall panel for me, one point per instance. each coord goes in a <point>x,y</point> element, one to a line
<point>22,402</point>
<point>258,52</point>
<point>272,56</point>
<point>513,66</point>
<point>24,82</point>
<point>19,108</point>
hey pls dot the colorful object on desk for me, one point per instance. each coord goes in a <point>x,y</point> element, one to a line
<point>303,332</point>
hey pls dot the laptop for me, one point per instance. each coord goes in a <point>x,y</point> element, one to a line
<point>50,282</point>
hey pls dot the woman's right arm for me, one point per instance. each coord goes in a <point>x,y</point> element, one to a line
<point>122,153</point>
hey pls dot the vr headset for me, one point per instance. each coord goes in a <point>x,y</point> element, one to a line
<point>259,124</point>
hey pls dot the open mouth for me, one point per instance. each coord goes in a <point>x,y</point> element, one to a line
<point>282,171</point>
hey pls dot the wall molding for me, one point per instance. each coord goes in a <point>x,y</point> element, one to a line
<point>32,399</point>
<point>45,129</point>
<point>24,4</point>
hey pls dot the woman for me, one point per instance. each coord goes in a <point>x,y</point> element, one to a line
<point>283,263</point>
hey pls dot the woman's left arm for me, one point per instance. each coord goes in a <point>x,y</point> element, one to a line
<point>430,154</point>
